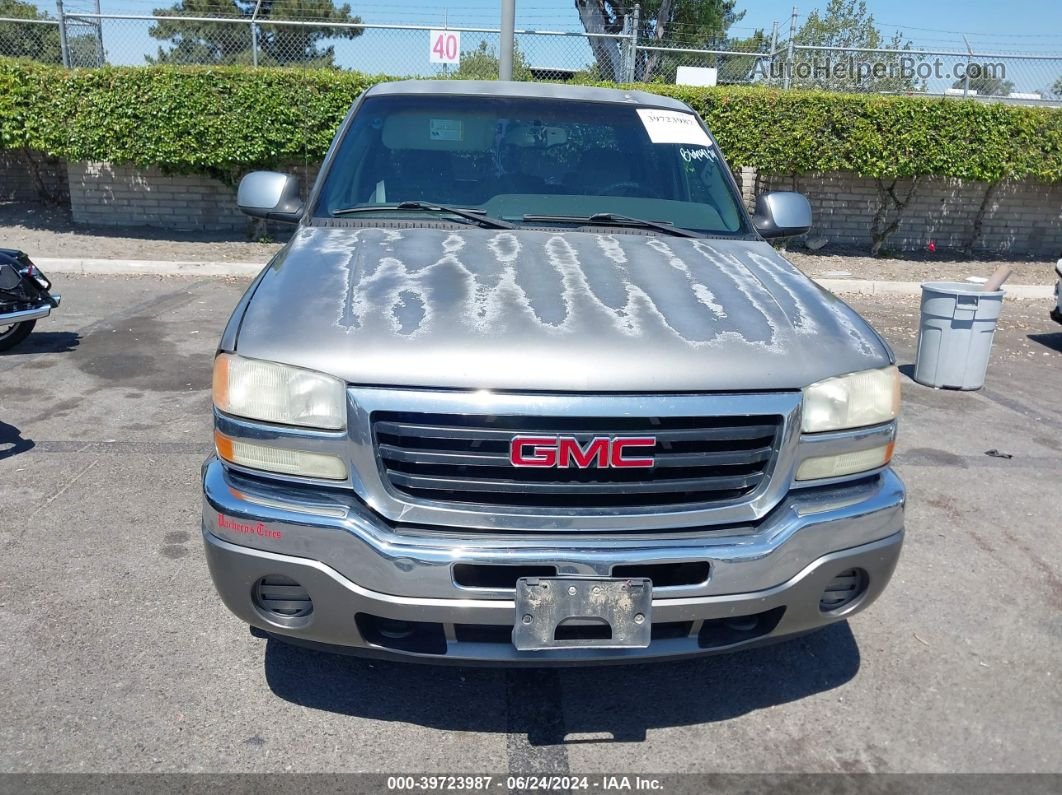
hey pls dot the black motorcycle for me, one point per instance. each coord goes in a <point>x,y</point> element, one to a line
<point>25,297</point>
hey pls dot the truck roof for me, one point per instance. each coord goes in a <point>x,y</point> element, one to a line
<point>527,90</point>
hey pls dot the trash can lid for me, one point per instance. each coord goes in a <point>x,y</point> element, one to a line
<point>960,288</point>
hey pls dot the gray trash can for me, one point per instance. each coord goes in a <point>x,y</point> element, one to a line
<point>955,335</point>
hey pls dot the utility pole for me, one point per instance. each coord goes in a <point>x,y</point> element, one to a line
<point>790,55</point>
<point>63,48</point>
<point>446,26</point>
<point>99,36</point>
<point>508,35</point>
<point>632,66</point>
<point>254,33</point>
<point>969,59</point>
<point>774,46</point>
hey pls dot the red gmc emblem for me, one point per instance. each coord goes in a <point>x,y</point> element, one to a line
<point>603,452</point>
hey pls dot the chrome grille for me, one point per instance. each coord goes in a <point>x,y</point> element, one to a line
<point>464,460</point>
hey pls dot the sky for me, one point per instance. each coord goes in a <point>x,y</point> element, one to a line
<point>1029,26</point>
<point>1013,22</point>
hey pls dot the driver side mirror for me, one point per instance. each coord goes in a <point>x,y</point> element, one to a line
<point>782,214</point>
<point>266,194</point>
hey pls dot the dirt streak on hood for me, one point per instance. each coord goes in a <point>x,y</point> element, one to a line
<point>550,310</point>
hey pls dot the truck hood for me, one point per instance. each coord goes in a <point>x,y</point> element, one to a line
<point>549,311</point>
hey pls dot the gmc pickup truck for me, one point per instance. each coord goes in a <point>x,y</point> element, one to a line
<point>528,385</point>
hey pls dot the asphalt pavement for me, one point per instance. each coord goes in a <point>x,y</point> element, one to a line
<point>118,656</point>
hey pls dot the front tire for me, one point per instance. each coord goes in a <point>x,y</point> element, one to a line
<point>12,335</point>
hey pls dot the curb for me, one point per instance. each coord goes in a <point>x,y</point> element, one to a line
<point>121,267</point>
<point>868,287</point>
<point>133,267</point>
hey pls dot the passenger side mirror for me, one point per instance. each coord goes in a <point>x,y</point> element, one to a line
<point>782,214</point>
<point>266,194</point>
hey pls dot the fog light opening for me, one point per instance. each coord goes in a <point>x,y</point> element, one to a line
<point>419,637</point>
<point>282,600</point>
<point>394,630</point>
<point>718,633</point>
<point>742,623</point>
<point>844,590</point>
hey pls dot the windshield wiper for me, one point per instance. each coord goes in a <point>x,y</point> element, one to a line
<point>479,216</point>
<point>615,219</point>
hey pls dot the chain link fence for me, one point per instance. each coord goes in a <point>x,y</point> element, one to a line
<point>1010,77</point>
<point>37,39</point>
<point>90,40</point>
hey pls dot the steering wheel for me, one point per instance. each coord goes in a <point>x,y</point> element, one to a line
<point>624,188</point>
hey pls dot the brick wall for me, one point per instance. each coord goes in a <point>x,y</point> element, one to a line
<point>31,177</point>
<point>746,182</point>
<point>1021,218</point>
<point>102,194</point>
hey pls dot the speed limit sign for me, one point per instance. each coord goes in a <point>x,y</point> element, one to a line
<point>445,47</point>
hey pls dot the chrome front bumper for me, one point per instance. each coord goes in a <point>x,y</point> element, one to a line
<point>351,562</point>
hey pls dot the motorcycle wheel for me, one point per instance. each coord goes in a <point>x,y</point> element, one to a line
<point>12,335</point>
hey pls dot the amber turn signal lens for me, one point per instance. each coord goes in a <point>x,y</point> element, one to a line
<point>223,444</point>
<point>220,388</point>
<point>836,466</point>
<point>281,460</point>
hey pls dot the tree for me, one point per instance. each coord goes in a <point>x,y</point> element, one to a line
<point>683,23</point>
<point>738,68</point>
<point>40,41</point>
<point>1056,89</point>
<point>678,23</point>
<point>832,67</point>
<point>984,81</point>
<point>482,64</point>
<point>30,39</point>
<point>230,43</point>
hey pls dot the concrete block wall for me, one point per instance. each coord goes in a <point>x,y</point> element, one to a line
<point>1022,218</point>
<point>102,194</point>
<point>18,183</point>
<point>746,182</point>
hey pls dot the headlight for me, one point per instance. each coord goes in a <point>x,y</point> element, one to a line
<point>869,397</point>
<point>278,393</point>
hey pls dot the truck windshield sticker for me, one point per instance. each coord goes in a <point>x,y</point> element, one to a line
<point>673,127</point>
<point>446,130</point>
<point>700,153</point>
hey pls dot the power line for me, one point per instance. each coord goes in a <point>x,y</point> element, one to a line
<point>970,33</point>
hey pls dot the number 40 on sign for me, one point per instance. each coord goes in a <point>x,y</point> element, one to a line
<point>445,47</point>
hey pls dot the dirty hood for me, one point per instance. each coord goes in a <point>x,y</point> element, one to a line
<point>549,310</point>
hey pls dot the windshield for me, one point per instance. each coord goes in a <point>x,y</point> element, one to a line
<point>531,161</point>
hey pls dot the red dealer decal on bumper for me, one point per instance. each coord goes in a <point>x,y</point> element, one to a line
<point>258,529</point>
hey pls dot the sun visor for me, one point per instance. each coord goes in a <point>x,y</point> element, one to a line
<point>451,132</point>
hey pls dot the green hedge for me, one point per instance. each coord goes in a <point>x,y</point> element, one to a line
<point>801,132</point>
<point>226,120</point>
<point>218,121</point>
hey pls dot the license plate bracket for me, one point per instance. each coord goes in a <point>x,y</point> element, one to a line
<point>583,606</point>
